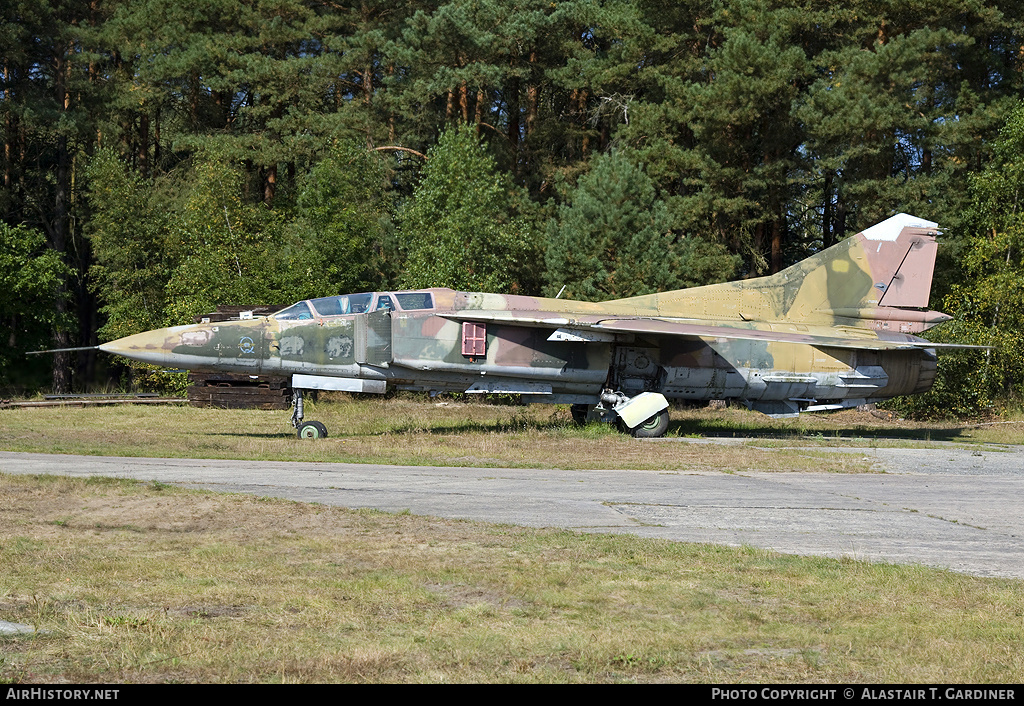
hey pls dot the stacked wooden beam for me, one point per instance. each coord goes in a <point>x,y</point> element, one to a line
<point>239,391</point>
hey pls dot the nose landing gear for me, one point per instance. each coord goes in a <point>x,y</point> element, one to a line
<point>312,430</point>
<point>306,430</point>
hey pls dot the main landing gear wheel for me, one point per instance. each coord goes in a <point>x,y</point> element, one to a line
<point>579,414</point>
<point>312,430</point>
<point>652,427</point>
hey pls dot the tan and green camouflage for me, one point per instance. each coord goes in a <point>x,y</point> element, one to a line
<point>833,331</point>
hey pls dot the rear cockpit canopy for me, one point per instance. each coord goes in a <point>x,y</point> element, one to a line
<point>345,304</point>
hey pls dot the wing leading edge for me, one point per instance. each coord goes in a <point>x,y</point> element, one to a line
<point>667,327</point>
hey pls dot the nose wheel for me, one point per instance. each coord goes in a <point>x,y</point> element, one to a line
<point>306,430</point>
<point>312,430</point>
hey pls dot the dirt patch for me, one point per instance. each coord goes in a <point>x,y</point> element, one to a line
<point>77,507</point>
<point>461,595</point>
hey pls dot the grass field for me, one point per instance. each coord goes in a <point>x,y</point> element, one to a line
<point>418,432</point>
<point>132,582</point>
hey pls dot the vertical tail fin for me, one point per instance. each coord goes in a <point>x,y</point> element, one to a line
<point>911,283</point>
<point>882,278</point>
<point>878,279</point>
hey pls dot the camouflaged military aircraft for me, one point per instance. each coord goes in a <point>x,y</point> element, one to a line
<point>830,332</point>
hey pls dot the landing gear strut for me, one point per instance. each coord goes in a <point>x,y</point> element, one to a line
<point>306,430</point>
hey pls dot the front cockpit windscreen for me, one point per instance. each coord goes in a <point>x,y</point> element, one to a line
<point>296,312</point>
<point>345,304</point>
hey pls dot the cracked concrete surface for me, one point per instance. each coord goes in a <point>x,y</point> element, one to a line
<point>946,507</point>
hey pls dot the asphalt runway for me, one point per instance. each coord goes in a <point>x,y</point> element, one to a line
<point>946,507</point>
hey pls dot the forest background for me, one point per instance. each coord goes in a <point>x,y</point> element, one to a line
<point>160,158</point>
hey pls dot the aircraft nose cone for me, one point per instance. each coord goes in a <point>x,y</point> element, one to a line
<point>154,347</point>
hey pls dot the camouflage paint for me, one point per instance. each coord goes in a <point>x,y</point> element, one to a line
<point>829,331</point>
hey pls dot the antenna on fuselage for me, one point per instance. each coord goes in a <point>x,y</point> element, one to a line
<point>557,296</point>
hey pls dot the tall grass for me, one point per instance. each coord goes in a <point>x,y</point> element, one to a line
<point>415,432</point>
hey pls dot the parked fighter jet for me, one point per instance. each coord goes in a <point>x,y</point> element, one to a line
<point>830,332</point>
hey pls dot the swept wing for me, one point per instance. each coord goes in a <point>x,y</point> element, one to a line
<point>688,329</point>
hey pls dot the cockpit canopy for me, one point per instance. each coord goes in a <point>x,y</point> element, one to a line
<point>344,304</point>
<point>361,303</point>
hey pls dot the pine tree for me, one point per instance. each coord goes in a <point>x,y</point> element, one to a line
<point>613,238</point>
<point>987,299</point>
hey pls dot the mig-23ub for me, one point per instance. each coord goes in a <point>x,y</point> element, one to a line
<point>833,331</point>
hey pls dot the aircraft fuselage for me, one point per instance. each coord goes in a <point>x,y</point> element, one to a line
<point>426,350</point>
<point>832,331</point>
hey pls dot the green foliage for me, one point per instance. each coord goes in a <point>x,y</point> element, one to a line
<point>30,280</point>
<point>613,238</point>
<point>871,120</point>
<point>461,228</point>
<point>966,382</point>
<point>225,248</point>
<point>142,377</point>
<point>242,76</point>
<point>770,128</point>
<point>781,128</point>
<point>724,144</point>
<point>168,250</point>
<point>341,239</point>
<point>987,302</point>
<point>129,233</point>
